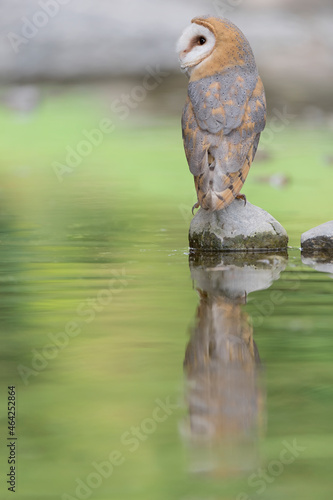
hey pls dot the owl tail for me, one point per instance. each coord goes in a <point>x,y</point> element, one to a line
<point>210,199</point>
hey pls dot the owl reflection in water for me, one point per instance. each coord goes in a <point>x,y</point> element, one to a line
<point>225,110</point>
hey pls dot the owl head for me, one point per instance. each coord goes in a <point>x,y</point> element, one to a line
<point>211,44</point>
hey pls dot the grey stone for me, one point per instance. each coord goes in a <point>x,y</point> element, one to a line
<point>318,238</point>
<point>237,227</point>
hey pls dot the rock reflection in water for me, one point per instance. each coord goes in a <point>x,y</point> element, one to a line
<point>319,261</point>
<point>225,396</point>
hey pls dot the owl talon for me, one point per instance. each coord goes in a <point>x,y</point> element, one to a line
<point>241,197</point>
<point>196,205</point>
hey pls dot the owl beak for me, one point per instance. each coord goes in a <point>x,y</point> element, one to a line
<point>185,66</point>
<point>181,57</point>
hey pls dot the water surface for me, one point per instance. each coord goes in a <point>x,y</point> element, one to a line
<point>141,373</point>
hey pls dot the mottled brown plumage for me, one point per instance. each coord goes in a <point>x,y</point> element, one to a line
<point>225,111</point>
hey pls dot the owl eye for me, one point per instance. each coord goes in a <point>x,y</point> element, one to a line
<point>202,40</point>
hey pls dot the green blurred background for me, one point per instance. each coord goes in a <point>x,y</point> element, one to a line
<point>122,214</point>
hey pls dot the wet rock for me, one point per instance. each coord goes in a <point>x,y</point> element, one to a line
<point>319,238</point>
<point>238,227</point>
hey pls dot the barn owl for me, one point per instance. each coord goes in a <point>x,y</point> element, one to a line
<point>225,110</point>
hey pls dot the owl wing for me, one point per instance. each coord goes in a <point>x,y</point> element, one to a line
<point>219,101</point>
<point>218,107</point>
<point>222,121</point>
